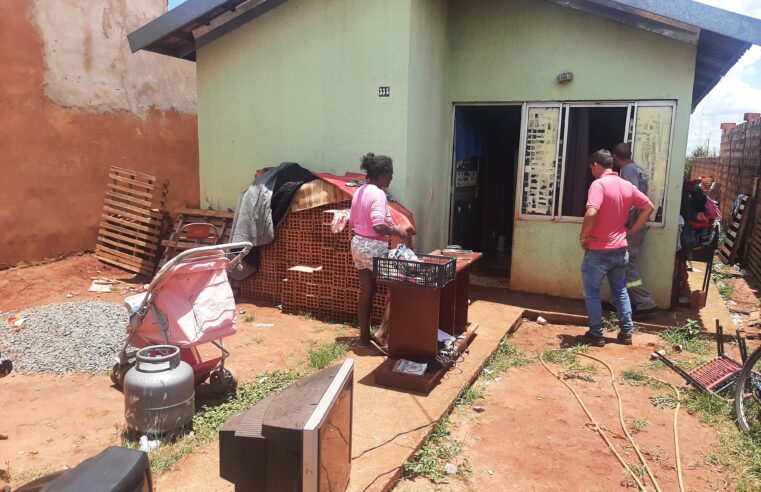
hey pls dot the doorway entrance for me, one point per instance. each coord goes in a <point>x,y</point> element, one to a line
<point>485,164</point>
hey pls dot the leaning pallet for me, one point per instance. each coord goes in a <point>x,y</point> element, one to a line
<point>132,221</point>
<point>731,246</point>
<point>220,219</point>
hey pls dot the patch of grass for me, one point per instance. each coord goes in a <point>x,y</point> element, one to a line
<point>319,328</point>
<point>610,322</point>
<point>564,356</point>
<point>505,357</point>
<point>668,400</point>
<point>322,356</point>
<point>583,372</point>
<point>307,316</point>
<point>473,393</point>
<point>29,474</point>
<point>438,450</point>
<point>636,378</point>
<point>725,290</point>
<point>639,424</point>
<point>249,318</point>
<point>690,336</point>
<point>208,420</point>
<point>653,365</point>
<point>568,357</point>
<point>258,339</point>
<point>709,408</point>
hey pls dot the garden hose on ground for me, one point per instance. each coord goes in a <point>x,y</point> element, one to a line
<point>595,424</point>
<point>676,431</point>
<point>623,425</point>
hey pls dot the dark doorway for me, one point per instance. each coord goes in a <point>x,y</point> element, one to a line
<point>487,139</point>
<point>589,129</point>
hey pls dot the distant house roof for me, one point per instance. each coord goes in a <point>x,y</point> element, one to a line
<point>721,37</point>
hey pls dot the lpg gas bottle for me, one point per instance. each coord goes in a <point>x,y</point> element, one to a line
<point>159,391</point>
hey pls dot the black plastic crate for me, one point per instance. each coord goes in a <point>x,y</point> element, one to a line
<point>430,271</point>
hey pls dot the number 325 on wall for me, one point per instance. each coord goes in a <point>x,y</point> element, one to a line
<point>384,91</point>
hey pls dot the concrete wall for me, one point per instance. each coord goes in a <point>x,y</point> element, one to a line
<point>301,84</point>
<point>75,101</point>
<point>504,51</point>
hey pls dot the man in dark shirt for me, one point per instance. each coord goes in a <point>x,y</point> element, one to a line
<point>642,302</point>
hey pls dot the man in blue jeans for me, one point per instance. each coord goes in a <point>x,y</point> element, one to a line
<point>603,237</point>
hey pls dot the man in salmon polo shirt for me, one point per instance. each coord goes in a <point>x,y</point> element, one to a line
<point>603,237</point>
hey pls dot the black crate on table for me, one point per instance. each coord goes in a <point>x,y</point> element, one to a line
<point>430,271</point>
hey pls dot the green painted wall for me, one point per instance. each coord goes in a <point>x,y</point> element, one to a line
<point>503,51</point>
<point>429,124</point>
<point>301,84</point>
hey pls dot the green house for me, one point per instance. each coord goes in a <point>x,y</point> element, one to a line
<point>488,107</point>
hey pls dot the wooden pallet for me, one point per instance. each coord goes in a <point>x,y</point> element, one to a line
<point>220,219</point>
<point>132,221</point>
<point>731,246</point>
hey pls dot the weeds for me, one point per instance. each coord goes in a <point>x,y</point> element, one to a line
<point>505,357</point>
<point>249,318</point>
<point>690,336</point>
<point>669,400</point>
<point>322,356</point>
<point>568,357</point>
<point>430,460</point>
<point>610,322</point>
<point>725,290</point>
<point>636,378</point>
<point>473,393</point>
<point>639,424</point>
<point>208,420</point>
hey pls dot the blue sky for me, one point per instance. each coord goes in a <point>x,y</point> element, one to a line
<point>737,93</point>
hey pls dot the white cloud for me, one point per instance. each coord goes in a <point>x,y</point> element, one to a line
<point>737,93</point>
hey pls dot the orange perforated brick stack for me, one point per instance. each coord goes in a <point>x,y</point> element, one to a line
<point>331,292</point>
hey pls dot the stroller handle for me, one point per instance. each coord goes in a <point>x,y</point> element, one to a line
<point>244,247</point>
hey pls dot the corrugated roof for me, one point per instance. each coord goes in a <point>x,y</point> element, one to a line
<point>721,36</point>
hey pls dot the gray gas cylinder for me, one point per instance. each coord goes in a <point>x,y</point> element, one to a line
<point>159,391</point>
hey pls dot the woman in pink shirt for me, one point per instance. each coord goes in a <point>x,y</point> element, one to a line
<point>373,228</point>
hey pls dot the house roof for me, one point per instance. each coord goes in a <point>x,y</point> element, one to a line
<point>722,37</point>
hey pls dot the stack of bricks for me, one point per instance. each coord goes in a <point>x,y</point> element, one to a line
<point>330,293</point>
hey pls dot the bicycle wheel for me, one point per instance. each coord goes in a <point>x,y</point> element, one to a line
<point>748,394</point>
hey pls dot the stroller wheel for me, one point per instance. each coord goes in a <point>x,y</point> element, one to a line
<point>223,381</point>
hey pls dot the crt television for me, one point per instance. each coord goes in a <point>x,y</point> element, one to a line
<point>297,440</point>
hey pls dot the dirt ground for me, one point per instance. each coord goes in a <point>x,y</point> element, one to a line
<point>535,415</point>
<point>57,421</point>
<point>533,434</point>
<point>25,287</point>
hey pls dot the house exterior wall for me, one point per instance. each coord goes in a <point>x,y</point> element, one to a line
<point>300,83</point>
<point>74,102</point>
<point>429,124</point>
<point>511,52</point>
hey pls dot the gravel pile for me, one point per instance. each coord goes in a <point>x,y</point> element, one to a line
<point>64,338</point>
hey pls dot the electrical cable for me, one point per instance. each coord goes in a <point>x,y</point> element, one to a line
<point>596,425</point>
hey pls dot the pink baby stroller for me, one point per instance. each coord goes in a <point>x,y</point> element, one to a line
<point>188,303</point>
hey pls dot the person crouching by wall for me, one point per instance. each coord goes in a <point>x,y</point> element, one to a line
<point>371,221</point>
<point>603,237</point>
